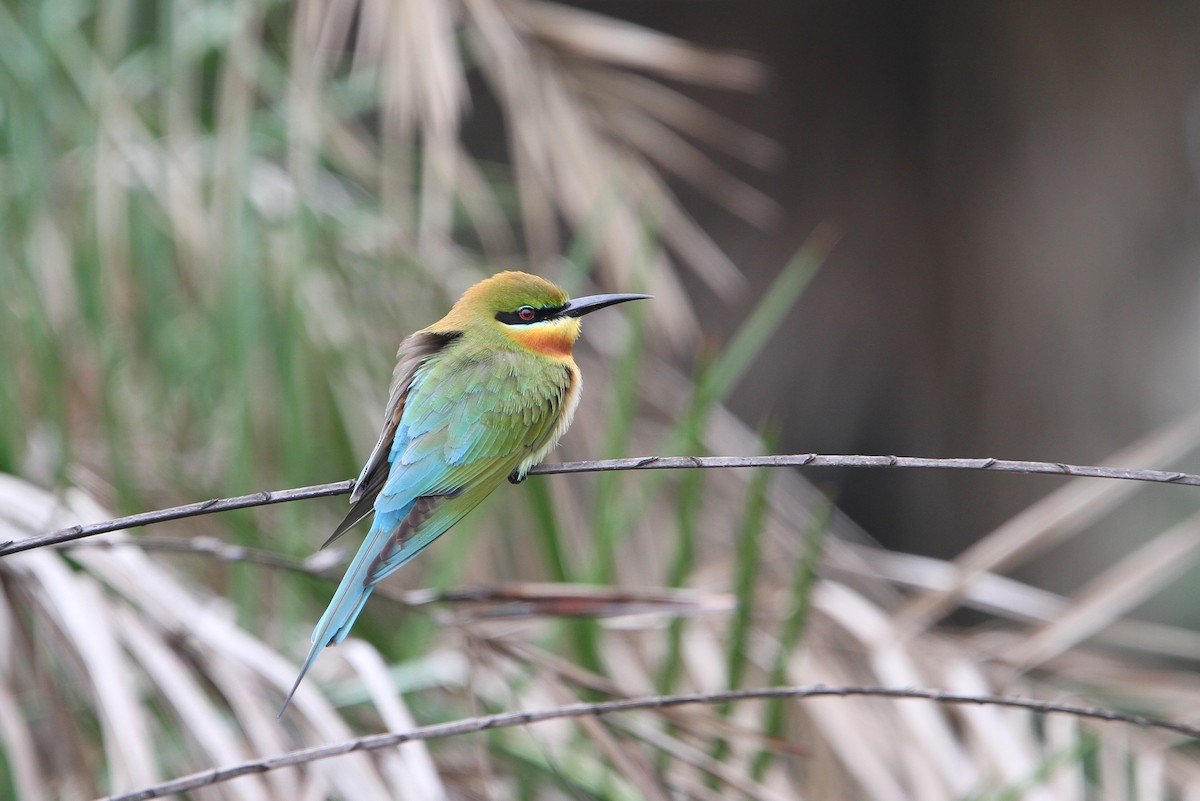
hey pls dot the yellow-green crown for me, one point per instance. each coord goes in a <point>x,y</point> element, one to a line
<point>511,290</point>
<point>503,292</point>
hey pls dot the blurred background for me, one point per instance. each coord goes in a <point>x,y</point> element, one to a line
<point>930,229</point>
<point>1017,189</point>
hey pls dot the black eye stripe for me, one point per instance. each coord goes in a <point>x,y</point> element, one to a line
<point>539,314</point>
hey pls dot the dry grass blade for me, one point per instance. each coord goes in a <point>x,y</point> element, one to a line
<point>998,738</point>
<point>129,642</point>
<point>483,209</point>
<point>248,661</point>
<point>606,39</point>
<point>1059,516</point>
<point>1063,735</point>
<point>623,661</point>
<point>1003,745</point>
<point>416,774</point>
<point>678,111</point>
<point>197,718</point>
<point>20,748</point>
<point>235,107</point>
<point>1113,593</point>
<point>85,619</point>
<point>1012,600</point>
<point>628,761</point>
<point>569,150</point>
<point>675,154</point>
<point>726,774</point>
<point>955,773</point>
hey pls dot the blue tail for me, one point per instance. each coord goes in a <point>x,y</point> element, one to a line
<point>351,594</point>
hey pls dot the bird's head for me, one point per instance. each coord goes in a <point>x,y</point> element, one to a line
<point>527,310</point>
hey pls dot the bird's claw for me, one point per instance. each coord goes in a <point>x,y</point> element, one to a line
<point>515,477</point>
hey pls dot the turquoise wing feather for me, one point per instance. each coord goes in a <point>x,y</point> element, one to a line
<point>458,425</point>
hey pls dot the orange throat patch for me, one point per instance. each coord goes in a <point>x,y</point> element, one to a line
<point>548,340</point>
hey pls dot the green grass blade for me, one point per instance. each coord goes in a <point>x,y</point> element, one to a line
<point>794,625</point>
<point>753,334</point>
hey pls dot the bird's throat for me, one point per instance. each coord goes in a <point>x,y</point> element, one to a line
<point>549,340</point>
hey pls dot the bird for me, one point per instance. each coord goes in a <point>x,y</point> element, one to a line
<point>479,396</point>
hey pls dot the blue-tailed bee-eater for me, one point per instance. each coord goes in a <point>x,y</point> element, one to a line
<point>480,395</point>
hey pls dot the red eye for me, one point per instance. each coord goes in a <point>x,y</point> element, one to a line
<point>526,313</point>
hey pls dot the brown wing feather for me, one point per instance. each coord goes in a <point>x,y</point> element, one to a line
<point>413,352</point>
<point>423,508</point>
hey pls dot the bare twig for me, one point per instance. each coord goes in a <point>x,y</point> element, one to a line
<point>264,498</point>
<point>839,460</point>
<point>632,463</point>
<point>511,719</point>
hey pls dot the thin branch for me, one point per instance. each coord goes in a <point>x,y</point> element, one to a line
<point>512,719</point>
<point>633,463</point>
<point>839,460</point>
<point>264,498</point>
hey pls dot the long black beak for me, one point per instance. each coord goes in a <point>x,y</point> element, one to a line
<point>578,307</point>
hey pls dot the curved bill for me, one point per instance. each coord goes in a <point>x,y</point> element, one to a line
<point>578,307</point>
